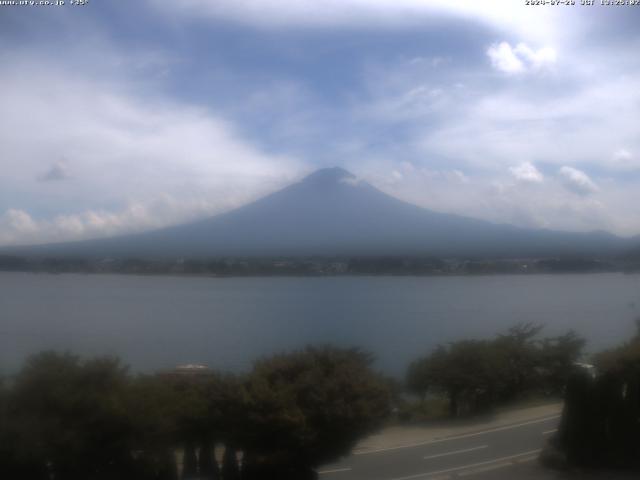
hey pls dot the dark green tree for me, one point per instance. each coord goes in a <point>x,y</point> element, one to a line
<point>557,361</point>
<point>518,360</point>
<point>310,407</point>
<point>71,417</point>
<point>417,378</point>
<point>230,467</point>
<point>599,425</point>
<point>206,462</point>
<point>476,374</point>
<point>466,372</point>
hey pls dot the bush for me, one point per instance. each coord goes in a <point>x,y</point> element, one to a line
<point>475,375</point>
<point>310,407</point>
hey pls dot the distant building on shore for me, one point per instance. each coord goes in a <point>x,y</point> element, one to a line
<point>189,370</point>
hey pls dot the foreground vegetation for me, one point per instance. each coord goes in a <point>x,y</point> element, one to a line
<point>69,419</point>
<point>600,426</point>
<point>474,376</point>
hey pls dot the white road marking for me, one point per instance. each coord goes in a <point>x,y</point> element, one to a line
<point>527,459</point>
<point>547,432</point>
<point>499,429</point>
<point>446,454</point>
<point>484,469</point>
<point>334,470</point>
<point>500,460</point>
<point>496,466</point>
<point>457,437</point>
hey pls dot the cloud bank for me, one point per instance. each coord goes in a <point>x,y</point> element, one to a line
<point>484,110</point>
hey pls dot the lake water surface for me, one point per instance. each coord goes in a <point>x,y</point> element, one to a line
<point>159,322</point>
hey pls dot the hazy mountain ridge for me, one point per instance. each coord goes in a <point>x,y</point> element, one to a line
<point>330,212</point>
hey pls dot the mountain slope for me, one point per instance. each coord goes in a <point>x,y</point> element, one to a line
<point>331,213</point>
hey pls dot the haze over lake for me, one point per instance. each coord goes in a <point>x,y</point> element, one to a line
<point>159,322</point>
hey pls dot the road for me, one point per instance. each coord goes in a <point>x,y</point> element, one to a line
<point>503,452</point>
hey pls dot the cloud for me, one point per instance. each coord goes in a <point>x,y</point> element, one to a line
<point>577,181</point>
<point>518,123</point>
<point>19,227</point>
<point>552,120</point>
<point>500,199</point>
<point>18,222</point>
<point>129,152</point>
<point>536,59</point>
<point>57,171</point>
<point>526,172</point>
<point>520,59</point>
<point>622,159</point>
<point>622,155</point>
<point>352,181</point>
<point>503,14</point>
<point>212,131</point>
<point>504,58</point>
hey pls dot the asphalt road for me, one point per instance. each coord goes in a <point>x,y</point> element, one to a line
<point>506,452</point>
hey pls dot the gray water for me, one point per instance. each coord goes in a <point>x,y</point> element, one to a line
<point>159,322</point>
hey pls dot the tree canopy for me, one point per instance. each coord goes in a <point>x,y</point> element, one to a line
<point>474,375</point>
<point>69,418</point>
<point>311,406</point>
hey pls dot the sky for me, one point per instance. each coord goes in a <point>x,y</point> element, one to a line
<point>119,116</point>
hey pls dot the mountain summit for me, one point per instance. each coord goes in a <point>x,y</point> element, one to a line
<point>331,212</point>
<point>328,177</point>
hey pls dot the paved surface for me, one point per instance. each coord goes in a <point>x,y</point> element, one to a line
<point>489,452</point>
<point>402,436</point>
<point>505,447</point>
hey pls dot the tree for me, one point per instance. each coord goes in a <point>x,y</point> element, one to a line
<point>310,407</point>
<point>186,411</point>
<point>599,425</point>
<point>466,372</point>
<point>71,418</point>
<point>622,359</point>
<point>519,358</point>
<point>475,374</point>
<point>558,357</point>
<point>230,468</point>
<point>417,378</point>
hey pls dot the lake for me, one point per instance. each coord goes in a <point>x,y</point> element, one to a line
<point>155,322</point>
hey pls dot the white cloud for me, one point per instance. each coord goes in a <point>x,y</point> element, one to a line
<point>562,128</point>
<point>18,221</point>
<point>459,176</point>
<point>622,159</point>
<point>536,59</point>
<point>504,58</point>
<point>577,181</point>
<point>537,24</point>
<point>526,172</point>
<point>520,59</point>
<point>556,120</point>
<point>18,226</point>
<point>500,199</point>
<point>622,155</point>
<point>129,153</point>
